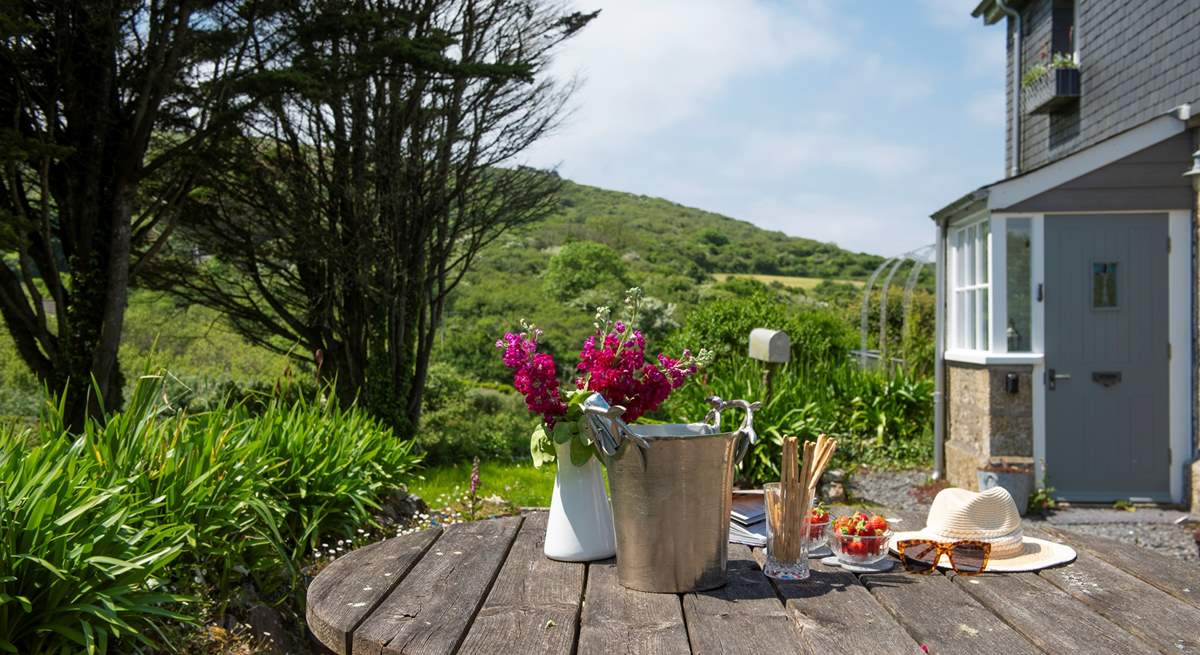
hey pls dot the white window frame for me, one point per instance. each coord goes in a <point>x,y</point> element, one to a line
<point>972,241</point>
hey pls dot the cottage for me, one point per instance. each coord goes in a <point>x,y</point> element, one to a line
<point>1065,321</point>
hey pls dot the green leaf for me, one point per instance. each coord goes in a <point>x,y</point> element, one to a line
<point>564,431</point>
<point>26,606</point>
<point>541,448</point>
<point>581,451</point>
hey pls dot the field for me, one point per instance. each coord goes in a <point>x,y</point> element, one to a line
<point>789,281</point>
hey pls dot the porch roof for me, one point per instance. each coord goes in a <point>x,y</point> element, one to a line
<point>1010,193</point>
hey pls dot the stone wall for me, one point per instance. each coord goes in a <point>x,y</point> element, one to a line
<point>984,420</point>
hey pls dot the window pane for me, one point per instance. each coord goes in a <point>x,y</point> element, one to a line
<point>955,260</point>
<point>969,257</point>
<point>982,327</point>
<point>1104,285</point>
<point>969,320</point>
<point>1019,278</point>
<point>982,250</point>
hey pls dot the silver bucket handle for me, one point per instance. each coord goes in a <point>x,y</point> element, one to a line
<point>607,428</point>
<point>746,434</point>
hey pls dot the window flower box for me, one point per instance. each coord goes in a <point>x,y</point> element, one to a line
<point>1057,88</point>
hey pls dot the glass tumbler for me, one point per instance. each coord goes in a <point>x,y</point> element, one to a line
<point>787,550</point>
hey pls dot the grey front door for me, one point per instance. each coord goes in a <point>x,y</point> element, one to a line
<point>1107,356</point>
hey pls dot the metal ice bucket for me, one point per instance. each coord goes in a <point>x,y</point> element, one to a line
<point>671,492</point>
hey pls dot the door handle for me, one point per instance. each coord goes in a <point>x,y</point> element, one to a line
<point>1052,378</point>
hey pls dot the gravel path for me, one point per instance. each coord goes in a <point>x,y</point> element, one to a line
<point>889,488</point>
<point>1148,528</point>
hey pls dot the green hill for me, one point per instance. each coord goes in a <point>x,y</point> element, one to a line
<point>679,238</point>
<point>675,253</point>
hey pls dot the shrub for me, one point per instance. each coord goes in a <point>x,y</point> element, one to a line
<point>82,558</point>
<point>723,325</point>
<point>878,419</point>
<point>155,496</point>
<point>585,266</point>
<point>463,420</point>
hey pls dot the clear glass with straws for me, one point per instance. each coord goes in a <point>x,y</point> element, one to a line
<point>787,545</point>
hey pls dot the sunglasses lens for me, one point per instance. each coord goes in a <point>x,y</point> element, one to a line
<point>920,557</point>
<point>968,558</point>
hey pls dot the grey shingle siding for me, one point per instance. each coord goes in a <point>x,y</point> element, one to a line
<point>1138,59</point>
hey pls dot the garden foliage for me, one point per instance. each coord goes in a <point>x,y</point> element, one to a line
<point>109,532</point>
<point>880,419</point>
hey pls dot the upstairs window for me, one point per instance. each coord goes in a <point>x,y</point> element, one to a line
<point>1062,28</point>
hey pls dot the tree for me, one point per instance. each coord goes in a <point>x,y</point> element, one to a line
<point>362,192</point>
<point>96,99</point>
<point>585,265</point>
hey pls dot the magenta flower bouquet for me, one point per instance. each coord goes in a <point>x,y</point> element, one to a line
<point>612,363</point>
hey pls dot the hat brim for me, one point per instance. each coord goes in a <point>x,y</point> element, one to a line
<point>1037,553</point>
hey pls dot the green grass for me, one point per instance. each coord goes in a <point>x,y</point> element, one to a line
<point>518,483</point>
<point>790,281</point>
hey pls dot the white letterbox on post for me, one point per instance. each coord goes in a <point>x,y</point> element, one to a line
<point>771,346</point>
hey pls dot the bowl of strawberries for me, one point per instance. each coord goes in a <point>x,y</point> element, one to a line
<point>818,527</point>
<point>859,539</point>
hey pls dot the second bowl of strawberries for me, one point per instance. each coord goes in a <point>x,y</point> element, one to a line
<point>860,538</point>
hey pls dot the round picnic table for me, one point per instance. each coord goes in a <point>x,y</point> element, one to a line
<point>485,587</point>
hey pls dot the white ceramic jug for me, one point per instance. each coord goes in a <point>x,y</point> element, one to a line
<point>580,525</point>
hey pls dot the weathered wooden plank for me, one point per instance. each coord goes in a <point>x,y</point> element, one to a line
<point>1047,616</point>
<point>534,604</point>
<point>836,614</point>
<point>616,619</point>
<point>343,594</point>
<point>1176,577</point>
<point>942,617</point>
<point>1143,610</point>
<point>744,616</point>
<point>431,609</point>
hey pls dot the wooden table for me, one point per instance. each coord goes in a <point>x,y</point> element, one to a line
<point>485,587</point>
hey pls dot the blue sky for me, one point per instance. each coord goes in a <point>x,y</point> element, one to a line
<point>847,121</point>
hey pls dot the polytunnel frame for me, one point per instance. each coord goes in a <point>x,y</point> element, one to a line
<point>918,259</point>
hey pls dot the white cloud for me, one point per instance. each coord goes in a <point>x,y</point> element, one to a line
<point>790,154</point>
<point>983,46</point>
<point>647,65</point>
<point>950,14</point>
<point>891,82</point>
<point>988,109</point>
<point>819,121</point>
<point>887,228</point>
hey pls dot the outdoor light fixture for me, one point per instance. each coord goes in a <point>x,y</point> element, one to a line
<point>1195,172</point>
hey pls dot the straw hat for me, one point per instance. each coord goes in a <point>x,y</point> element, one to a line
<point>990,516</point>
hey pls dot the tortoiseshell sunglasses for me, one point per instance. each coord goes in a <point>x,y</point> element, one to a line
<point>966,557</point>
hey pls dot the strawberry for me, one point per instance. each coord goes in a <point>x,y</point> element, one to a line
<point>877,524</point>
<point>818,515</point>
<point>818,518</point>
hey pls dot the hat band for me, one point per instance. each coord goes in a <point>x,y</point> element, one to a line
<point>967,532</point>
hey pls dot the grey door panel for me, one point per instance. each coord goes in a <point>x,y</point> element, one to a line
<point>1107,435</point>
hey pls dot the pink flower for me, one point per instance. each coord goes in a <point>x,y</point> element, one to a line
<point>535,375</point>
<point>612,364</point>
<point>619,372</point>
